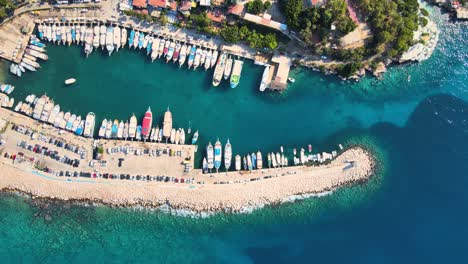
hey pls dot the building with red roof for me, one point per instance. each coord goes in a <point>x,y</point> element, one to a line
<point>139,3</point>
<point>237,10</point>
<point>157,3</point>
<point>173,5</point>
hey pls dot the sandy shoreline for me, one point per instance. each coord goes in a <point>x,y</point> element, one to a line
<point>291,184</point>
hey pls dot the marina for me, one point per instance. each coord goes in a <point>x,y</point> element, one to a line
<point>92,34</point>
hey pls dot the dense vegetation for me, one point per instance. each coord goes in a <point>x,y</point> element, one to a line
<point>6,7</point>
<point>257,6</point>
<point>392,22</point>
<point>235,34</point>
<point>317,20</point>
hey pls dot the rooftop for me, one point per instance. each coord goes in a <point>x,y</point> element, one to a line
<point>265,21</point>
<point>139,3</point>
<point>157,3</point>
<point>236,9</point>
<point>205,2</point>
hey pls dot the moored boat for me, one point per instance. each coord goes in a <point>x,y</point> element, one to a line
<point>177,136</point>
<point>196,60</point>
<point>76,123</point>
<point>259,160</point>
<point>249,162</point>
<point>182,137</point>
<point>131,38</point>
<point>58,119</point>
<point>136,38</point>
<point>195,137</point>
<point>70,122</point>
<point>183,55</point>
<point>123,38</point>
<point>125,132</point>
<point>149,45</point>
<point>238,162</point>
<point>132,127</point>
<point>147,123</point>
<point>236,73</point>
<point>178,47</point>
<point>228,68</point>
<point>117,36</point>
<point>162,43</point>
<point>214,58</point>
<point>227,155</point>
<point>205,165</point>
<point>110,40</point>
<point>102,37</point>
<point>53,114</point>
<point>102,128</point>
<point>89,124</point>
<point>96,36</point>
<point>166,48</point>
<point>120,130</point>
<point>115,128</point>
<point>191,57</point>
<point>266,74</point>
<point>170,52</point>
<point>108,132</point>
<point>218,72</point>
<point>208,60</point>
<point>217,154</point>
<point>210,156</point>
<point>167,123</point>
<point>173,135</point>
<point>138,133</point>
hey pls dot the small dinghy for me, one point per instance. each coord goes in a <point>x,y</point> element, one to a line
<point>70,81</point>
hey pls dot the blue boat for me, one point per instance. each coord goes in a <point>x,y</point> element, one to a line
<point>140,40</point>
<point>41,34</point>
<point>148,48</point>
<point>130,39</point>
<point>115,128</point>
<point>191,56</point>
<point>254,160</point>
<point>38,44</point>
<point>59,37</point>
<point>138,133</point>
<point>79,130</point>
<point>73,34</point>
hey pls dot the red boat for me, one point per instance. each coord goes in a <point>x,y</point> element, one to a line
<point>146,124</point>
<point>310,148</point>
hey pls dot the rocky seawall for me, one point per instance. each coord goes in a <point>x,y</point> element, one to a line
<point>353,166</point>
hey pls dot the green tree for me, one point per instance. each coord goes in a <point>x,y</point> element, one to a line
<point>163,19</point>
<point>255,7</point>
<point>230,34</point>
<point>292,10</point>
<point>269,41</point>
<point>255,40</point>
<point>266,5</point>
<point>244,33</point>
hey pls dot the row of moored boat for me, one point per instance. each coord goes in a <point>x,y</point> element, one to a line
<point>253,161</point>
<point>34,52</point>
<point>130,129</point>
<point>43,109</point>
<point>114,37</point>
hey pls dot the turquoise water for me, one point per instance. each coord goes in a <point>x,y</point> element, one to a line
<point>412,211</point>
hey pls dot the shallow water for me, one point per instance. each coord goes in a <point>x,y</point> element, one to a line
<point>412,211</point>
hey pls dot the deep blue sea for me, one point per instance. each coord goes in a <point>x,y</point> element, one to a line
<point>415,210</point>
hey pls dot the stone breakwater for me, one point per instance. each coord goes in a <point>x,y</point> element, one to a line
<point>353,166</point>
